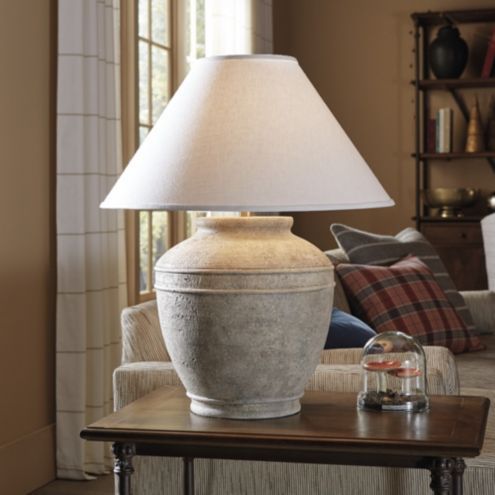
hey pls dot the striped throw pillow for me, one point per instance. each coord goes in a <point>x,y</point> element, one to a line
<point>372,249</point>
<point>406,297</point>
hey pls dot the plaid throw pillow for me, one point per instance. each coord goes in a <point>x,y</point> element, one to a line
<point>406,297</point>
<point>372,249</point>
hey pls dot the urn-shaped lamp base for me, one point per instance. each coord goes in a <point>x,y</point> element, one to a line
<point>244,308</point>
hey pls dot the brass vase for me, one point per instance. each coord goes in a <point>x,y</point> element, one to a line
<point>475,141</point>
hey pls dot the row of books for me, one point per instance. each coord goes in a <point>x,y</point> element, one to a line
<point>488,69</point>
<point>440,132</point>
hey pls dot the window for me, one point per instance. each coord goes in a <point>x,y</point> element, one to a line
<point>160,40</point>
<point>154,91</point>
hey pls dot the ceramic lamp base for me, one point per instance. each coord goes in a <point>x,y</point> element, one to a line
<point>249,410</point>
<point>244,307</point>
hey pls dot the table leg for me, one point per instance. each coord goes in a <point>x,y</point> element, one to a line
<point>188,475</point>
<point>123,453</point>
<point>457,472</point>
<point>441,476</point>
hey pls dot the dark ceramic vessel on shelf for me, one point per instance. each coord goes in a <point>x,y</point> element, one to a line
<point>448,53</point>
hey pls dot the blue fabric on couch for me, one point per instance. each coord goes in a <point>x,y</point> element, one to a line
<point>347,331</point>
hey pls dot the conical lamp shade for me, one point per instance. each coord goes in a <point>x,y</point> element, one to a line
<point>247,133</point>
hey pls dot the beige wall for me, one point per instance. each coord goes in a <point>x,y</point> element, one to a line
<point>27,249</point>
<point>358,54</point>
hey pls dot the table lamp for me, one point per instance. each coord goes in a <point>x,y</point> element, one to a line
<point>244,304</point>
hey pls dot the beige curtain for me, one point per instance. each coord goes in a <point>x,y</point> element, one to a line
<point>238,27</point>
<point>90,247</point>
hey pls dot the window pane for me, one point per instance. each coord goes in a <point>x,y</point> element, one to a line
<point>143,132</point>
<point>194,31</point>
<point>143,19</point>
<point>160,234</point>
<point>186,27</point>
<point>144,262</point>
<point>144,113</point>
<point>200,28</point>
<point>160,21</point>
<point>160,86</point>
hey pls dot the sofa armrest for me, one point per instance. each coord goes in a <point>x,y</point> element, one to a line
<point>142,338</point>
<point>437,357</point>
<point>134,380</point>
<point>341,356</point>
<point>336,378</point>
<point>481,304</point>
<point>442,359</point>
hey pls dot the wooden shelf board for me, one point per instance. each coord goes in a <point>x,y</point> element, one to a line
<point>458,155</point>
<point>456,16</point>
<point>436,219</point>
<point>445,84</point>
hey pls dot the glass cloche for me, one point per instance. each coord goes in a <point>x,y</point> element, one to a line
<point>394,374</point>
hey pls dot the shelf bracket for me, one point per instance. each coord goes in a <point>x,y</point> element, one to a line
<point>491,161</point>
<point>460,103</point>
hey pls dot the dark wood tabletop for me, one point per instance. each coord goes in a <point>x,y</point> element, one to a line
<point>328,427</point>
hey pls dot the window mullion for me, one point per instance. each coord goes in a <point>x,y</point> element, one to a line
<point>154,43</point>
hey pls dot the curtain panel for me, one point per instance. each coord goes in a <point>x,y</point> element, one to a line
<point>90,242</point>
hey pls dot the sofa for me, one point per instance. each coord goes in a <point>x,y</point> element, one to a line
<point>146,366</point>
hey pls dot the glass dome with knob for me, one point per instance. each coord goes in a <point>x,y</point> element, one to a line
<point>394,374</point>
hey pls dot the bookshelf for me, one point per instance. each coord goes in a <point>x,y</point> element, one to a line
<point>458,240</point>
<point>446,84</point>
<point>457,155</point>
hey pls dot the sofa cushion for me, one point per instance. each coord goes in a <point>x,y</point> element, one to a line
<point>406,296</point>
<point>347,331</point>
<point>337,256</point>
<point>372,249</point>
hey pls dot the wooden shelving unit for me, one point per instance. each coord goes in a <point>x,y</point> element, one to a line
<point>457,155</point>
<point>465,219</point>
<point>472,16</point>
<point>455,238</point>
<point>446,84</point>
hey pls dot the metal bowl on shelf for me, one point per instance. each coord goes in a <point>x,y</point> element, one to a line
<point>450,201</point>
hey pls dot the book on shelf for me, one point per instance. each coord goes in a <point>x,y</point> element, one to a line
<point>488,66</point>
<point>444,128</point>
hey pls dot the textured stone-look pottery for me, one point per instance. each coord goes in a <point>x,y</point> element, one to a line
<point>244,307</point>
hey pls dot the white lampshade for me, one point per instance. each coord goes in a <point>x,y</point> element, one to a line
<point>247,133</point>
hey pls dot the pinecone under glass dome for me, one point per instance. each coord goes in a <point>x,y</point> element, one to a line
<point>394,374</point>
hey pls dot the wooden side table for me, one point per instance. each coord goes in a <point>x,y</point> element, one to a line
<point>328,430</point>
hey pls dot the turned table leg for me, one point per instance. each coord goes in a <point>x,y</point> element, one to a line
<point>458,470</point>
<point>441,476</point>
<point>123,453</point>
<point>188,475</point>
